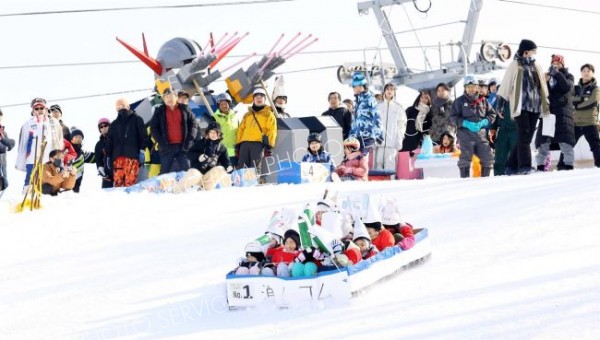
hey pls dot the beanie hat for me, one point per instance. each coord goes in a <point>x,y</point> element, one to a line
<point>213,126</point>
<point>56,107</point>
<point>254,249</point>
<point>294,236</point>
<point>76,132</point>
<point>559,58</point>
<point>526,45</point>
<point>103,121</point>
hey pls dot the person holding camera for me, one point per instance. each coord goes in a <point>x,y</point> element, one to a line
<point>257,133</point>
<point>54,175</point>
<point>209,152</point>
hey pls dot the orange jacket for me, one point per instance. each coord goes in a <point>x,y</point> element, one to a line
<point>383,240</point>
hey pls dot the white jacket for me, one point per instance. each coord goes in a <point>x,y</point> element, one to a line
<point>40,126</point>
<point>393,121</point>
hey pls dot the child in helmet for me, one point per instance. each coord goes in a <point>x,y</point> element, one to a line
<point>209,152</point>
<point>255,261</point>
<point>355,166</point>
<point>317,154</point>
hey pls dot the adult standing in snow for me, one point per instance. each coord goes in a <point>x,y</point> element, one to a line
<point>471,114</point>
<point>257,132</point>
<point>503,134</point>
<point>366,126</point>
<point>587,102</point>
<point>6,144</point>
<point>126,141</point>
<point>36,129</point>
<point>394,123</point>
<point>560,86</point>
<point>173,126</point>
<point>439,114</point>
<point>413,136</point>
<point>101,154</point>
<point>338,111</point>
<point>524,87</point>
<point>229,122</point>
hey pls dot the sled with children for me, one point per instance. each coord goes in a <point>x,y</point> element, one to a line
<point>346,246</point>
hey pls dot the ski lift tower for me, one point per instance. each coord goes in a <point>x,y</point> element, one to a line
<point>449,73</point>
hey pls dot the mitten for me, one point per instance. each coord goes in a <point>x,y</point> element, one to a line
<point>492,136</point>
<point>202,158</point>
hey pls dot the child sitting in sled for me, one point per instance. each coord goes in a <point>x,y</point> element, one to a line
<point>403,232</point>
<point>255,262</point>
<point>283,255</point>
<point>360,248</point>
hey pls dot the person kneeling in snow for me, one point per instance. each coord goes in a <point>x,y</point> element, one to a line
<point>283,255</point>
<point>54,175</point>
<point>403,232</point>
<point>254,263</point>
<point>209,152</point>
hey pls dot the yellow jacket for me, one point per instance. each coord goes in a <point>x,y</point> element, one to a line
<point>249,130</point>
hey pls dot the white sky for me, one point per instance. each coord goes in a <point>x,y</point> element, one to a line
<point>87,37</point>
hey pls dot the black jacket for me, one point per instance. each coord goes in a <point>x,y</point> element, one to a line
<point>413,138</point>
<point>215,152</point>
<point>126,136</point>
<point>343,117</point>
<point>189,127</point>
<point>561,105</point>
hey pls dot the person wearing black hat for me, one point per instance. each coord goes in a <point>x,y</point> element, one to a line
<point>183,97</point>
<point>209,152</point>
<point>524,88</point>
<point>317,154</point>
<point>56,113</point>
<point>173,126</point>
<point>82,157</point>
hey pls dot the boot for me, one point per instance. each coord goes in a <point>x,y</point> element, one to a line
<point>465,172</point>
<point>541,168</point>
<point>568,167</point>
<point>485,172</point>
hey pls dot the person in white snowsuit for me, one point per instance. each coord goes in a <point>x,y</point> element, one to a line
<point>393,119</point>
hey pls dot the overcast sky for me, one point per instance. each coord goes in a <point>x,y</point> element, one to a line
<point>89,37</point>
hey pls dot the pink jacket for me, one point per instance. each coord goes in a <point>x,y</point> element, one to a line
<point>355,165</point>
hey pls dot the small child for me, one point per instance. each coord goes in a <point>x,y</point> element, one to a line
<point>448,144</point>
<point>254,262</point>
<point>283,255</point>
<point>380,238</point>
<point>355,166</point>
<point>403,232</point>
<point>317,154</point>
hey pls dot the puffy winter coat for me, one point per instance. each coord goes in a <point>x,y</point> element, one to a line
<point>383,240</point>
<point>279,254</point>
<point>413,137</point>
<point>6,144</point>
<point>394,123</point>
<point>560,88</point>
<point>355,165</point>
<point>367,121</point>
<point>587,103</point>
<point>320,157</point>
<point>471,109</point>
<point>439,115</point>
<point>252,129</point>
<point>41,127</point>
<point>126,136</point>
<point>215,152</point>
<point>158,126</point>
<point>229,123</point>
<point>343,117</point>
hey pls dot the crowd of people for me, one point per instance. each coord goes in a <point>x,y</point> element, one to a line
<point>491,124</point>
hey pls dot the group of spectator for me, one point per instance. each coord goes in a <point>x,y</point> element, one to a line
<point>492,123</point>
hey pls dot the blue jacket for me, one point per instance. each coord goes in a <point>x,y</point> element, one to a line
<point>321,157</point>
<point>367,122</point>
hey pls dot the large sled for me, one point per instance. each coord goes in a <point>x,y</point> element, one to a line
<point>336,285</point>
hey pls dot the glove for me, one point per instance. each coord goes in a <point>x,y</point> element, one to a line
<point>229,169</point>
<point>268,153</point>
<point>553,71</point>
<point>337,246</point>
<point>101,171</point>
<point>318,255</point>
<point>341,171</point>
<point>471,126</point>
<point>142,157</point>
<point>492,136</point>
<point>483,123</point>
<point>202,158</point>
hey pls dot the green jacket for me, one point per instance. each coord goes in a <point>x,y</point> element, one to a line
<point>229,126</point>
<point>586,102</point>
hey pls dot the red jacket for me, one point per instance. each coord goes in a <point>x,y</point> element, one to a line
<point>383,240</point>
<point>69,151</point>
<point>279,254</point>
<point>355,165</point>
<point>406,230</point>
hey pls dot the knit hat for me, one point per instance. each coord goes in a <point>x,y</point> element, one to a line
<point>56,107</point>
<point>294,236</point>
<point>254,249</point>
<point>526,45</point>
<point>103,121</point>
<point>77,132</point>
<point>213,126</point>
<point>559,58</point>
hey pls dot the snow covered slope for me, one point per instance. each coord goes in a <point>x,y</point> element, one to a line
<point>513,257</point>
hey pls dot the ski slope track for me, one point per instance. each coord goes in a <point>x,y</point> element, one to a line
<point>513,258</point>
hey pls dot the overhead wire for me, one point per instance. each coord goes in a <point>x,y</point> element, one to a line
<point>551,6</point>
<point>115,9</point>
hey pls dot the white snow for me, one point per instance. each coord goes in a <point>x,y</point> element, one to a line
<point>513,258</point>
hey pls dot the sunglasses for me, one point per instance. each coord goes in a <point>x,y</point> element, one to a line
<point>39,109</point>
<point>102,126</point>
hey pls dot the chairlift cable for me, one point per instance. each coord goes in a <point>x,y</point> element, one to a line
<point>550,6</point>
<point>417,37</point>
<point>114,9</point>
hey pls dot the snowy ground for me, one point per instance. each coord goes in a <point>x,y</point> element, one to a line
<point>513,258</point>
